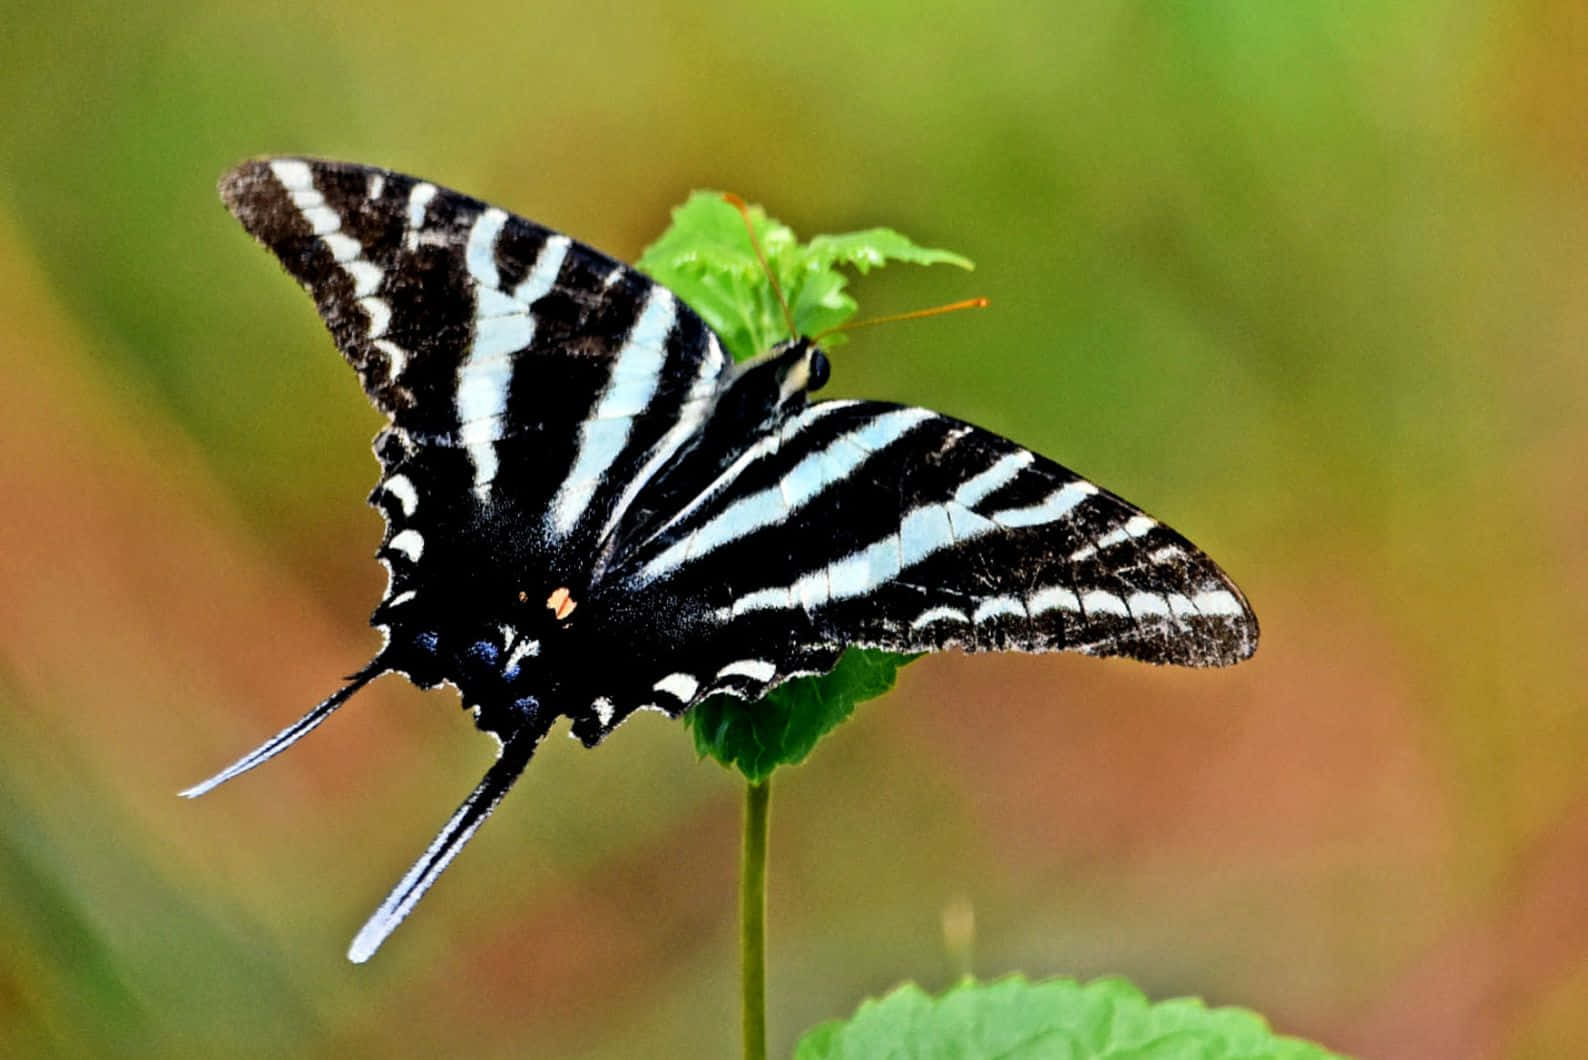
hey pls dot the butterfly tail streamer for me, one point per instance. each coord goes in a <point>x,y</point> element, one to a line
<point>515,754</point>
<point>291,734</point>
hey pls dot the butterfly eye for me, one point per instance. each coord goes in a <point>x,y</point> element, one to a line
<point>820,369</point>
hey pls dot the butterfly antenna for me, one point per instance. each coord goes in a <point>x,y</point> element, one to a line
<point>292,733</point>
<point>755,244</point>
<point>515,754</point>
<point>914,314</point>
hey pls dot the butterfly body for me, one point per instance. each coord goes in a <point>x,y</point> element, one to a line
<point>592,511</point>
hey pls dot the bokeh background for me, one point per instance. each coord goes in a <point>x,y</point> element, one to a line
<point>1305,279</point>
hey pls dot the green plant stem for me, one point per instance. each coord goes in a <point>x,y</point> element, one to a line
<point>752,919</point>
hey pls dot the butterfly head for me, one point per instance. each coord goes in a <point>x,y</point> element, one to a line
<point>801,366</point>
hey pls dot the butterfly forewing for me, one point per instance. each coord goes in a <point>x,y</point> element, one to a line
<point>899,528</point>
<point>590,511</point>
<point>468,324</point>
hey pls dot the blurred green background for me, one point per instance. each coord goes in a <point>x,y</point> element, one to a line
<point>1305,279</point>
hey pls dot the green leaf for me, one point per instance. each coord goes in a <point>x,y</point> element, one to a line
<point>874,248</point>
<point>782,728</point>
<point>1013,1019</point>
<point>705,257</point>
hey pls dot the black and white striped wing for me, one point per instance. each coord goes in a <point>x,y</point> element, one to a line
<point>899,528</point>
<point>468,325</point>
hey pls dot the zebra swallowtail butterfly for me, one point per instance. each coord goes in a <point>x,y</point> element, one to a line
<point>591,510</point>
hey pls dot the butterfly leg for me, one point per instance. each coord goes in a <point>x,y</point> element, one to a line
<point>517,749</point>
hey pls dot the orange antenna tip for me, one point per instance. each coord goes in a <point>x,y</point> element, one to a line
<point>915,314</point>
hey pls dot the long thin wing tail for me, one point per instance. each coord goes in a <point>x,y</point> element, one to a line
<point>515,755</point>
<point>291,734</point>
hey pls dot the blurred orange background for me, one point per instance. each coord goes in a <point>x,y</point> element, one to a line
<point>1306,280</point>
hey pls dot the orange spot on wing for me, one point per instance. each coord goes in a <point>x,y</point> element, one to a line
<point>561,602</point>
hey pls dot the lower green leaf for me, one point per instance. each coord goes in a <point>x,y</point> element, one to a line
<point>782,728</point>
<point>1013,1019</point>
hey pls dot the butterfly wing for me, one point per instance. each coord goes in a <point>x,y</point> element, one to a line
<point>470,326</point>
<point>894,527</point>
<point>533,386</point>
